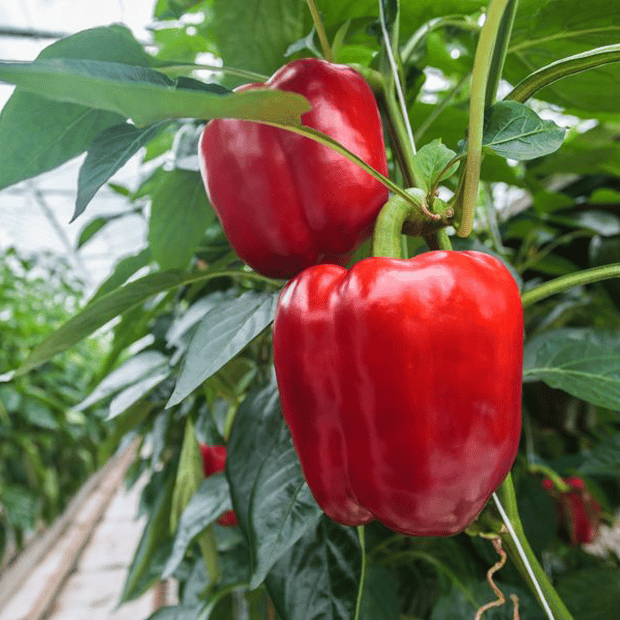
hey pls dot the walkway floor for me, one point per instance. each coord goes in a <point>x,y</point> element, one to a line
<point>80,576</point>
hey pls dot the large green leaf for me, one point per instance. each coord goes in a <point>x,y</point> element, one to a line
<point>254,34</point>
<point>135,368</point>
<point>547,31</point>
<point>107,307</point>
<point>107,154</point>
<point>582,362</point>
<point>180,215</point>
<point>318,578</point>
<point>380,599</point>
<point>144,95</point>
<point>38,134</point>
<point>223,332</point>
<point>272,501</point>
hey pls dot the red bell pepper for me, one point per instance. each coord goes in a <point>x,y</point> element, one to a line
<point>578,512</point>
<point>286,202</point>
<point>400,381</point>
<point>213,462</point>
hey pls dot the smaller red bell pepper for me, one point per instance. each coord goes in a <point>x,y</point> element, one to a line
<point>213,462</point>
<point>578,512</point>
<point>286,202</point>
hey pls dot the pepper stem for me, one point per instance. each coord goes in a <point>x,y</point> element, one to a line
<point>389,225</point>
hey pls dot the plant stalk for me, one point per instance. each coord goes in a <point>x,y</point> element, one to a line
<point>564,283</point>
<point>320,30</point>
<point>480,76</point>
<point>520,552</point>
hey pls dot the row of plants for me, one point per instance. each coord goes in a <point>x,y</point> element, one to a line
<point>473,163</point>
<point>47,448</point>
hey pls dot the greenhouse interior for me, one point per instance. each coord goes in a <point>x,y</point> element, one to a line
<point>310,309</point>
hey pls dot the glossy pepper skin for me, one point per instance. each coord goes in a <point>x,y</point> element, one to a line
<point>579,513</point>
<point>213,462</point>
<point>400,381</point>
<point>286,202</point>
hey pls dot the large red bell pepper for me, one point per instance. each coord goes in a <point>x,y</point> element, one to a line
<point>286,202</point>
<point>400,381</point>
<point>213,462</point>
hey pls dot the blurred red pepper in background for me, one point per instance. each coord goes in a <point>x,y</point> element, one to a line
<point>213,462</point>
<point>578,512</point>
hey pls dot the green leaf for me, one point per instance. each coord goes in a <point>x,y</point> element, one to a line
<point>37,134</point>
<point>515,131</point>
<point>210,500</point>
<point>223,332</point>
<point>583,362</point>
<point>107,154</point>
<point>177,612</point>
<point>135,368</point>
<point>180,215</point>
<point>319,577</point>
<point>154,543</point>
<point>105,308</point>
<point>380,600</point>
<point>456,606</point>
<point>255,34</point>
<point>431,161</point>
<point>123,270</point>
<point>37,414</point>
<point>547,31</point>
<point>189,474</point>
<point>186,321</point>
<point>604,459</point>
<point>272,501</point>
<point>591,593</point>
<point>92,228</point>
<point>134,393</point>
<point>144,95</point>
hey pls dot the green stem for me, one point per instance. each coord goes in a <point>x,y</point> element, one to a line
<point>360,592</point>
<point>443,240</point>
<point>563,68</point>
<point>560,485</point>
<point>320,29</point>
<point>520,552</point>
<point>389,225</point>
<point>480,75</point>
<point>563,283</point>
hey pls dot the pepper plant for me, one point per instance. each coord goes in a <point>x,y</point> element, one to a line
<point>399,369</point>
